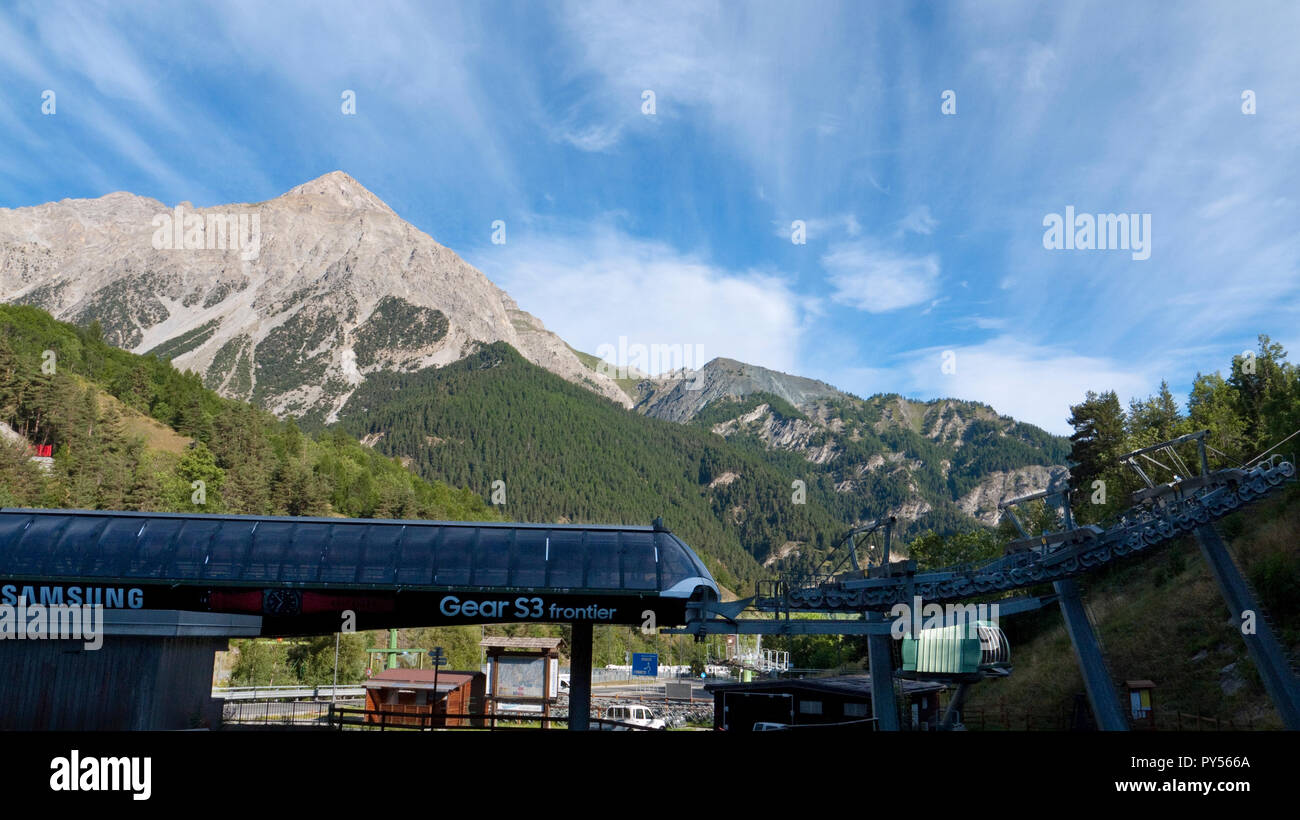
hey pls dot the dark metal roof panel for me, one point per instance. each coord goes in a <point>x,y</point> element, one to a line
<point>283,551</point>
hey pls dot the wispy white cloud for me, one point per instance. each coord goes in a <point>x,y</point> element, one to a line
<point>878,280</point>
<point>1032,382</point>
<point>919,221</point>
<point>595,286</point>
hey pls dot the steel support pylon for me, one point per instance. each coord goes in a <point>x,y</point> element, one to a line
<point>958,702</point>
<point>1265,650</point>
<point>1102,697</point>
<point>580,677</point>
<point>884,707</point>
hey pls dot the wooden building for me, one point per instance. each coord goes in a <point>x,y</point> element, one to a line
<point>410,698</point>
<point>153,671</point>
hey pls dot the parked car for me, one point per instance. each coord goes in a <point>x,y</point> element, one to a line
<point>636,714</point>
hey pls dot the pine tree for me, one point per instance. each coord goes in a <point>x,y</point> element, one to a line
<point>1212,406</point>
<point>1264,386</point>
<point>139,391</point>
<point>1099,439</point>
<point>146,490</point>
<point>198,464</point>
<point>1155,420</point>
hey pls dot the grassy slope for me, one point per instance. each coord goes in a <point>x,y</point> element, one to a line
<point>157,436</point>
<point>592,363</point>
<point>1162,619</point>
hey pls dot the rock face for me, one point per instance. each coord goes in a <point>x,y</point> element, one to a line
<point>885,446</point>
<point>778,433</point>
<point>1231,680</point>
<point>680,399</point>
<point>996,487</point>
<point>323,285</point>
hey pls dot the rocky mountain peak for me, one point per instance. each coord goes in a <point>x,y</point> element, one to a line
<point>340,190</point>
<point>288,303</point>
<point>680,399</point>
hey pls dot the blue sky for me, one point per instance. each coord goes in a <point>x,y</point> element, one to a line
<point>924,230</point>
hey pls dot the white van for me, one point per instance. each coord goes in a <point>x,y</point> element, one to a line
<point>636,714</point>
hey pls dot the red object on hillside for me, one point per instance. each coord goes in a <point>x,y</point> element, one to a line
<point>44,450</point>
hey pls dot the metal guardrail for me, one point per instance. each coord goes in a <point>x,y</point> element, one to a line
<point>623,674</point>
<point>276,713</point>
<point>286,692</point>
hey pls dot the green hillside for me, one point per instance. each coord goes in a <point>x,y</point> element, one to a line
<point>131,432</point>
<point>1163,619</point>
<point>949,447</point>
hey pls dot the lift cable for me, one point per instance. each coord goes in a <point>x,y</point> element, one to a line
<point>1274,447</point>
<point>1219,452</point>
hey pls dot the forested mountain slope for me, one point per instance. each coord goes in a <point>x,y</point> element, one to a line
<point>748,481</point>
<point>131,432</point>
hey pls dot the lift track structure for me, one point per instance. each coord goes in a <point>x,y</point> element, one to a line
<point>1140,530</point>
<point>1188,504</point>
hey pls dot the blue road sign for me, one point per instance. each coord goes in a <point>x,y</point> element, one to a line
<point>645,664</point>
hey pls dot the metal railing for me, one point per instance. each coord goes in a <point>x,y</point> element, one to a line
<point>340,718</point>
<point>274,692</point>
<point>276,713</point>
